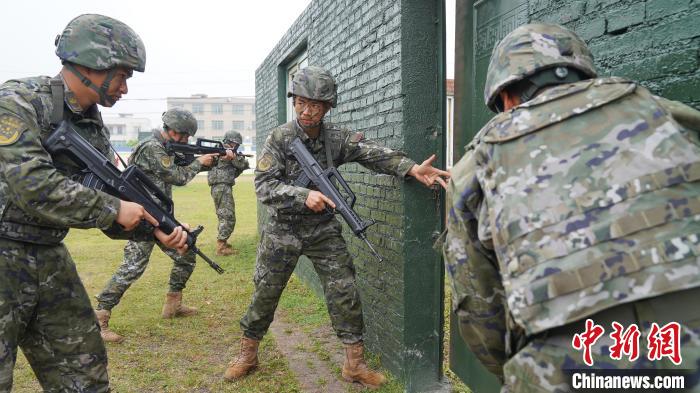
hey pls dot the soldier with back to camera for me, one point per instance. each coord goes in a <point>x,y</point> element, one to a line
<point>578,200</point>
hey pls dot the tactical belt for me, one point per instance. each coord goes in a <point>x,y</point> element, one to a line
<point>32,234</point>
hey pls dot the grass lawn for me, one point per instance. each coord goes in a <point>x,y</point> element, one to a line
<point>190,354</point>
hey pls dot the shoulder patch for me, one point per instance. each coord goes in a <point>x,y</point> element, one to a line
<point>357,137</point>
<point>11,127</point>
<point>166,161</point>
<point>265,163</point>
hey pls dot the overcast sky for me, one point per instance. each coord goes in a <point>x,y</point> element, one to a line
<point>203,46</point>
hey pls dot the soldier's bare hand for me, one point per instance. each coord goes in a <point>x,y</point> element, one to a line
<point>230,155</point>
<point>429,175</point>
<point>176,240</point>
<point>316,201</point>
<point>130,215</point>
<point>207,159</point>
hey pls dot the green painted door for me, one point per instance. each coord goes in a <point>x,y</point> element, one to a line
<point>479,26</point>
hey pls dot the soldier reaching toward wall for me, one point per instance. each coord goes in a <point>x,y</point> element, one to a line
<point>578,201</point>
<point>45,309</point>
<point>221,179</point>
<point>299,224</point>
<point>153,159</point>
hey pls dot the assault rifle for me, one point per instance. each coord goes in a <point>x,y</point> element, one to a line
<point>131,185</point>
<point>202,146</point>
<point>323,180</point>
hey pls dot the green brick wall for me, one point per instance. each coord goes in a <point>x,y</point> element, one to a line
<point>655,41</point>
<point>387,57</point>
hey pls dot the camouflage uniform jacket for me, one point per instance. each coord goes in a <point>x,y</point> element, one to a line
<point>38,201</point>
<point>277,168</point>
<point>581,199</point>
<point>151,156</point>
<point>226,172</point>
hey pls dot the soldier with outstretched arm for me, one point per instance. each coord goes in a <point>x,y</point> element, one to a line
<point>299,224</point>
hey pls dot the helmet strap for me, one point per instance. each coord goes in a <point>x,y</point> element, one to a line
<point>105,99</point>
<point>549,77</point>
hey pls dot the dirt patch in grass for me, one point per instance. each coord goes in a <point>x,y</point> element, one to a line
<point>315,358</point>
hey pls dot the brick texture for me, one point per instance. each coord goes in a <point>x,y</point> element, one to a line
<point>655,42</point>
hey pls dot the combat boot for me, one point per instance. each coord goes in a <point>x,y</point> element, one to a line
<point>107,334</point>
<point>245,362</point>
<point>173,306</point>
<point>224,249</point>
<point>355,369</point>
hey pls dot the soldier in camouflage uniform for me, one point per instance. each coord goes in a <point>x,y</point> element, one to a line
<point>153,159</point>
<point>221,179</point>
<point>579,200</point>
<point>45,309</point>
<point>299,224</point>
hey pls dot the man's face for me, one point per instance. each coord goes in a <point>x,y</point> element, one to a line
<point>180,137</point>
<point>117,87</point>
<point>309,112</point>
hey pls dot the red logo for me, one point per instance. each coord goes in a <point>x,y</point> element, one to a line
<point>626,343</point>
<point>586,340</point>
<point>665,342</point>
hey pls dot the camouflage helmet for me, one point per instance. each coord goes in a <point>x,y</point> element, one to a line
<point>233,136</point>
<point>530,49</point>
<point>101,43</point>
<point>314,83</point>
<point>180,120</point>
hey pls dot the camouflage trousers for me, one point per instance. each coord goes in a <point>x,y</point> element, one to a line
<point>136,256</point>
<point>45,310</point>
<point>225,209</point>
<point>547,362</point>
<point>278,252</point>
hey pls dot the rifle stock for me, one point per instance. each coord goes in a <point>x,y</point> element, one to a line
<point>131,185</point>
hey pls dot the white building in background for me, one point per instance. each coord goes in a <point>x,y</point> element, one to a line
<point>449,120</point>
<point>124,129</point>
<point>217,115</point>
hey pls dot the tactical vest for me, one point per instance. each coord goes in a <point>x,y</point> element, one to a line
<point>326,149</point>
<point>592,196</point>
<point>46,97</point>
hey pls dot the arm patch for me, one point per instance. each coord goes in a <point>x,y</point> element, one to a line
<point>166,161</point>
<point>265,163</point>
<point>11,128</point>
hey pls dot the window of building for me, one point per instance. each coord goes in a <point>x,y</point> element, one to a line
<point>217,124</point>
<point>238,109</point>
<point>117,129</point>
<point>200,125</point>
<point>197,108</point>
<point>237,125</point>
<point>252,125</point>
<point>293,66</point>
<point>217,109</point>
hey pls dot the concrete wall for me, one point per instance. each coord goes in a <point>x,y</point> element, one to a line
<point>387,57</point>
